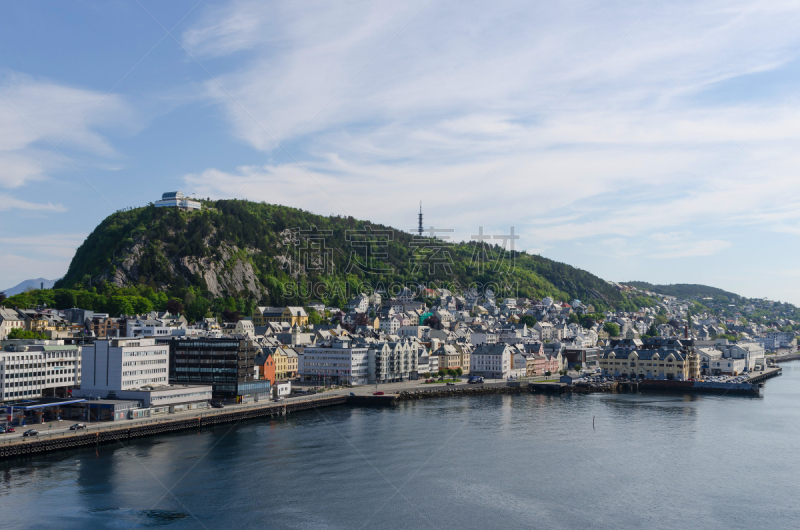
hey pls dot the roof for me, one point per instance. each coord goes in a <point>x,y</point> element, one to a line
<point>60,348</point>
<point>36,403</point>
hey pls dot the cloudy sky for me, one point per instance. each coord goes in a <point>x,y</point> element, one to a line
<point>654,141</point>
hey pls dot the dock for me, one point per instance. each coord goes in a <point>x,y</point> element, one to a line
<point>127,431</point>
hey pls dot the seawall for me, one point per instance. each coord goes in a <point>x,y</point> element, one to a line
<point>123,433</point>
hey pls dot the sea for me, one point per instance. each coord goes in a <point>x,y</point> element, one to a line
<point>500,461</point>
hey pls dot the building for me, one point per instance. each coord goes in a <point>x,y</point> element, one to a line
<point>585,357</point>
<point>9,319</point>
<point>227,364</point>
<point>336,363</point>
<point>449,357</point>
<point>265,364</point>
<point>669,364</point>
<point>176,199</point>
<point>751,352</point>
<point>292,315</point>
<point>391,362</point>
<point>39,369</point>
<point>492,361</point>
<point>104,327</point>
<point>112,365</point>
<point>286,363</point>
<point>136,369</point>
<point>153,328</point>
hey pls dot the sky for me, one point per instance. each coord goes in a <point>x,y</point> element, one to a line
<point>654,141</point>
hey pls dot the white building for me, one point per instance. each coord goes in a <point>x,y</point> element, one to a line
<point>391,362</point>
<point>44,368</point>
<point>334,363</point>
<point>176,199</point>
<point>752,353</point>
<point>483,337</point>
<point>390,326</point>
<point>492,361</point>
<point>781,338</point>
<point>153,328</point>
<point>136,369</point>
<point>110,366</point>
<point>9,319</point>
<point>545,329</point>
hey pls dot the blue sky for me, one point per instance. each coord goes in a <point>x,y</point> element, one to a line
<point>654,141</point>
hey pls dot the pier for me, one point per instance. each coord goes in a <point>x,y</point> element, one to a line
<point>112,433</point>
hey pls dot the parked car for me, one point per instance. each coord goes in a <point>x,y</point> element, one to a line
<point>77,426</point>
<point>10,429</point>
<point>30,432</point>
<point>217,405</point>
<point>377,393</point>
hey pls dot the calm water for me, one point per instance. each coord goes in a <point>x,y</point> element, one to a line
<point>482,462</point>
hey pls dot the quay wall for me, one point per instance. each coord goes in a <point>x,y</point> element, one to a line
<point>785,358</point>
<point>111,435</point>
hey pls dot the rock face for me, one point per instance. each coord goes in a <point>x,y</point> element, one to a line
<point>231,274</point>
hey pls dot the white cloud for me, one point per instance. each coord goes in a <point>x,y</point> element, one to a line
<point>37,114</point>
<point>10,203</point>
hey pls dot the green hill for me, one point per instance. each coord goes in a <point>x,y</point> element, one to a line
<point>683,290</point>
<point>255,252</point>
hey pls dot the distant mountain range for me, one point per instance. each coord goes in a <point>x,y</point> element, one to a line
<point>36,283</point>
<point>683,290</point>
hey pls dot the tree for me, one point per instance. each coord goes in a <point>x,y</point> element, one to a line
<point>432,322</point>
<point>361,319</point>
<point>313,317</point>
<point>19,333</point>
<point>231,316</point>
<point>459,371</point>
<point>120,305</point>
<point>65,299</point>
<point>661,319</point>
<point>2,296</point>
<point>174,306</point>
<point>426,375</point>
<point>573,319</point>
<point>587,322</point>
<point>611,328</point>
<point>528,320</point>
<point>452,373</point>
<point>652,331</point>
<point>441,373</point>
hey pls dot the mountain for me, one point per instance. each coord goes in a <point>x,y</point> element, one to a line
<point>683,290</point>
<point>272,254</point>
<point>29,284</point>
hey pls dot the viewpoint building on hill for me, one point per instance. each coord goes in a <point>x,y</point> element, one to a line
<point>176,199</point>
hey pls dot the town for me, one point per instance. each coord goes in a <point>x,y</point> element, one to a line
<point>87,367</point>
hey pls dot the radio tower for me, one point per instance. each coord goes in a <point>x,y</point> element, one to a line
<point>420,218</point>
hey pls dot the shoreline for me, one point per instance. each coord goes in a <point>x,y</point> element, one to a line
<point>66,441</point>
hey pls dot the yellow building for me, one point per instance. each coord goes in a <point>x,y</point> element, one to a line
<point>673,364</point>
<point>294,315</point>
<point>286,363</point>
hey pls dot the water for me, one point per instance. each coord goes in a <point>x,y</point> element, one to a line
<point>479,462</point>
